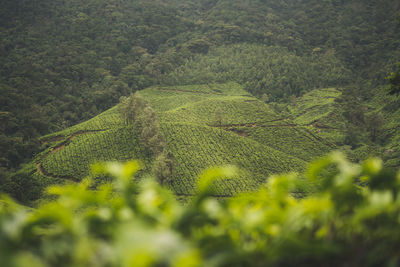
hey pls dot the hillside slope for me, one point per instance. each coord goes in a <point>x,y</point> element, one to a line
<point>203,126</point>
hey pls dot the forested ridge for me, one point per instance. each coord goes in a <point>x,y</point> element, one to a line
<point>63,62</point>
<point>199,133</point>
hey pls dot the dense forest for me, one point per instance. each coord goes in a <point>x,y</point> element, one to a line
<point>174,87</point>
<point>62,62</point>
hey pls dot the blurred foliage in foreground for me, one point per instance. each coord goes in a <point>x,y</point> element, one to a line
<point>351,218</point>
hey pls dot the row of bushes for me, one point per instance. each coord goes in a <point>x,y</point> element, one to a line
<point>351,218</point>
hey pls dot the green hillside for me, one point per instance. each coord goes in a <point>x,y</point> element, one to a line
<point>64,62</point>
<point>203,126</point>
<point>388,107</point>
<point>221,103</point>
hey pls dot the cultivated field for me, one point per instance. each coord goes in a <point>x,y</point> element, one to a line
<point>203,126</point>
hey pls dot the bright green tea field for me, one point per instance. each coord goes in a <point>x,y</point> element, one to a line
<point>203,126</point>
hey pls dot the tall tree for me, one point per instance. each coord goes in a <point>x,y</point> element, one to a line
<point>394,80</point>
<point>163,166</point>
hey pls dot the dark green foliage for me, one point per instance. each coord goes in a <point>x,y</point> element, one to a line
<point>63,62</point>
<point>163,167</point>
<point>263,70</point>
<point>353,110</point>
<point>127,109</point>
<point>150,134</point>
<point>24,188</point>
<point>355,136</point>
<point>131,108</point>
<point>362,126</point>
<point>394,80</point>
<point>136,111</point>
<point>374,124</point>
<point>198,46</point>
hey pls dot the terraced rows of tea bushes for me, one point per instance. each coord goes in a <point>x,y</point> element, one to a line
<point>390,110</point>
<point>232,109</point>
<point>393,153</point>
<point>230,88</point>
<point>314,106</point>
<point>392,149</point>
<point>163,100</point>
<point>185,104</point>
<point>297,140</point>
<point>249,134</point>
<point>74,160</point>
<point>198,147</point>
<point>267,145</point>
<point>329,135</point>
<point>106,120</point>
<point>169,98</point>
<point>317,111</point>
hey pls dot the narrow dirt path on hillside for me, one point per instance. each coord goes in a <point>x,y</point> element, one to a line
<point>39,166</point>
<point>53,139</point>
<point>43,172</point>
<point>320,125</point>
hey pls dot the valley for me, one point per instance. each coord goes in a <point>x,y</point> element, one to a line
<point>203,126</point>
<point>190,133</point>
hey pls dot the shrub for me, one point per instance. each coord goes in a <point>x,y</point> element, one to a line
<point>351,218</point>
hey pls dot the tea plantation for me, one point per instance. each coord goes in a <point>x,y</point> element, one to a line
<point>203,125</point>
